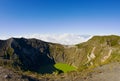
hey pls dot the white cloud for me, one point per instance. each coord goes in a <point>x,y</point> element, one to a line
<point>67,39</point>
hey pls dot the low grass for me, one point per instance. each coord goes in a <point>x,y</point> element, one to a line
<point>64,67</point>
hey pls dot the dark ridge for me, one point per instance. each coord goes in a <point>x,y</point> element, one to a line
<point>29,54</point>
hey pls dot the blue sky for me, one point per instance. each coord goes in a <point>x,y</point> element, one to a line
<point>18,17</point>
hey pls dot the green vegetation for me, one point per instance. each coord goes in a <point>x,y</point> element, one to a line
<point>8,54</point>
<point>115,57</point>
<point>64,67</point>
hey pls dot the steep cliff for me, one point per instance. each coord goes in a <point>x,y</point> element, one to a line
<point>28,54</point>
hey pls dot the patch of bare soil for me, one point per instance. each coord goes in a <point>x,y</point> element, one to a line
<point>109,72</point>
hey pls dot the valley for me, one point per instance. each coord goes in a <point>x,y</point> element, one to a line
<point>87,61</point>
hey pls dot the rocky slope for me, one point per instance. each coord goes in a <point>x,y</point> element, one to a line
<point>96,51</point>
<point>9,75</point>
<point>109,72</point>
<point>28,54</point>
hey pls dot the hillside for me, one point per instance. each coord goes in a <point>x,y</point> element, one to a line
<point>96,51</point>
<point>34,57</point>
